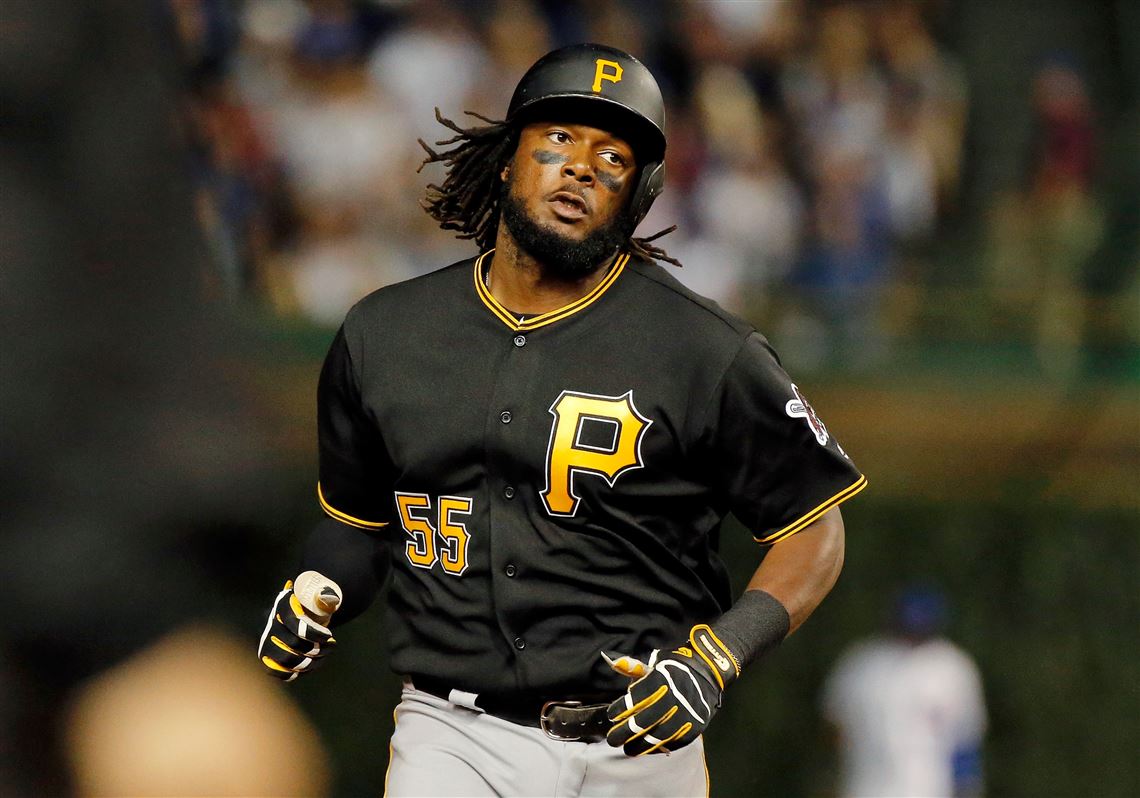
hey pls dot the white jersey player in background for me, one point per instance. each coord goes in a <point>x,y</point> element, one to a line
<point>908,708</point>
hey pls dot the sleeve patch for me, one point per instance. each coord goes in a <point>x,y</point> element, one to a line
<point>799,408</point>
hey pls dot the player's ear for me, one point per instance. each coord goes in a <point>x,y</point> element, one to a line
<point>506,173</point>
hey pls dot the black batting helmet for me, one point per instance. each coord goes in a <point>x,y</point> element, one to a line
<point>593,82</point>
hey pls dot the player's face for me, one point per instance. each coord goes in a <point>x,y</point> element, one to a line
<point>573,177</point>
<point>568,188</point>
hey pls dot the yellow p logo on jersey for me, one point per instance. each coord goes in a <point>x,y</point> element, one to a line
<point>568,455</point>
<point>601,74</point>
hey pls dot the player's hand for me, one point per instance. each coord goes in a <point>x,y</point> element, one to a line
<point>675,694</point>
<point>296,635</point>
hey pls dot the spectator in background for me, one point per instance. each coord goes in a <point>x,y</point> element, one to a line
<point>1042,235</point>
<point>434,47</point>
<point>908,708</point>
<point>234,177</point>
<point>516,35</point>
<point>837,101</point>
<point>920,152</point>
<point>744,199</point>
<point>342,137</point>
<point>927,105</point>
<point>227,159</point>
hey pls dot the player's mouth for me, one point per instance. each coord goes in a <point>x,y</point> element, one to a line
<point>567,205</point>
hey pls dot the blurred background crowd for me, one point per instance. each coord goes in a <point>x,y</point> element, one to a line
<point>817,164</point>
<point>931,207</point>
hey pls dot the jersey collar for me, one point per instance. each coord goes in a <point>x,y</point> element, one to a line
<point>541,320</point>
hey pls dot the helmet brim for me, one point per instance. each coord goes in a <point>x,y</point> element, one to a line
<point>604,113</point>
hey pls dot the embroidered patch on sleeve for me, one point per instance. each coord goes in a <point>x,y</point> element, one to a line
<point>799,408</point>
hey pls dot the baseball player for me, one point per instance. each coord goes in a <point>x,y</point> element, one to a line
<point>908,707</point>
<point>539,445</point>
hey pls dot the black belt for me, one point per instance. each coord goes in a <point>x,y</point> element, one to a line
<point>577,719</point>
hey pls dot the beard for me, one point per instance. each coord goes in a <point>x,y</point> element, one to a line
<point>562,256</point>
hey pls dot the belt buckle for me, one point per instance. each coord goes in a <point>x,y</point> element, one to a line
<point>544,719</point>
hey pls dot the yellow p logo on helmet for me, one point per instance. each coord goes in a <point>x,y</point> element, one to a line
<point>601,73</point>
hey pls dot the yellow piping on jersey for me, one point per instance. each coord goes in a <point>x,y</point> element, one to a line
<point>815,514</point>
<point>705,765</point>
<point>388,770</point>
<point>345,517</point>
<point>552,316</point>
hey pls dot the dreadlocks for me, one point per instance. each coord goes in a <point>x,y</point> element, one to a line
<point>468,199</point>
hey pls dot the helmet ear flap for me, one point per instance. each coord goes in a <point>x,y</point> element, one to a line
<point>649,185</point>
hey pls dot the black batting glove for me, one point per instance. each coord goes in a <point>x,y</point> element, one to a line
<point>675,695</point>
<point>296,636</point>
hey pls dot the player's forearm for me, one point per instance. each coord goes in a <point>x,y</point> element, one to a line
<point>355,560</point>
<point>791,582</point>
<point>801,570</point>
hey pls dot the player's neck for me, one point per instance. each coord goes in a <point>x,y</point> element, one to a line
<point>522,284</point>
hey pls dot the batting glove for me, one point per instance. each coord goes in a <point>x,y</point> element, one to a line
<point>296,635</point>
<point>675,694</point>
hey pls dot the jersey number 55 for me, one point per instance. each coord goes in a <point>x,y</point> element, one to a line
<point>444,542</point>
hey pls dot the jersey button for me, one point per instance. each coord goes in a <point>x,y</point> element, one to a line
<point>520,340</point>
<point>509,492</point>
<point>505,416</point>
<point>520,644</point>
<point>511,570</point>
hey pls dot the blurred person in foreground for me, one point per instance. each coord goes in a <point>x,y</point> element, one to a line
<point>538,446</point>
<point>908,708</point>
<point>134,464</point>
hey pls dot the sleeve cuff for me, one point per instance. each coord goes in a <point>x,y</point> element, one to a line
<point>814,515</point>
<point>345,518</point>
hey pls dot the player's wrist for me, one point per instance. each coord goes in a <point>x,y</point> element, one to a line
<point>718,665</point>
<point>755,625</point>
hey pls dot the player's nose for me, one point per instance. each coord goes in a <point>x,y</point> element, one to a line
<point>578,167</point>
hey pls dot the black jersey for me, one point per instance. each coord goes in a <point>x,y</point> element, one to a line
<point>555,485</point>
